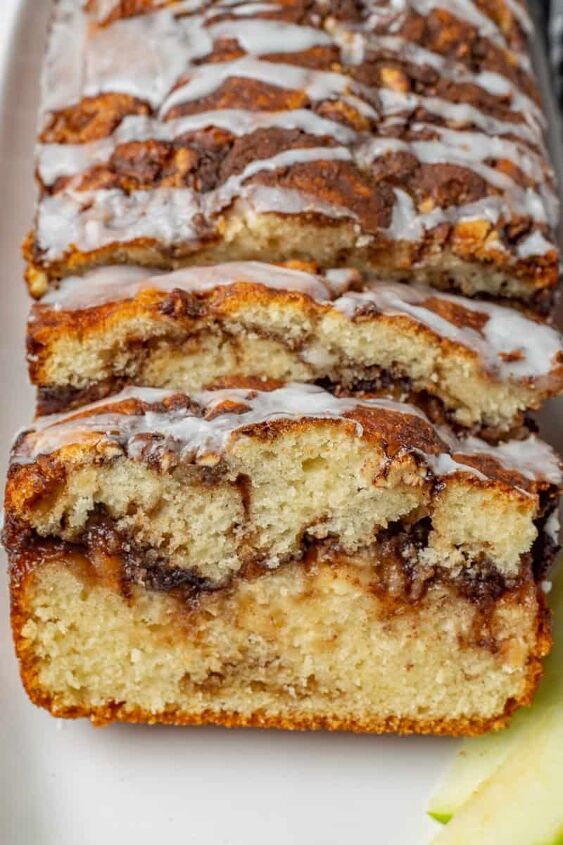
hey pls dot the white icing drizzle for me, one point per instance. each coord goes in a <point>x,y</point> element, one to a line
<point>352,44</point>
<point>194,434</point>
<point>505,332</point>
<point>171,44</point>
<point>491,82</point>
<point>109,59</point>
<point>395,103</point>
<point>467,10</point>
<point>478,146</point>
<point>112,284</point>
<point>262,199</point>
<point>214,201</point>
<point>206,79</point>
<point>521,14</point>
<point>93,219</point>
<point>56,160</point>
<point>531,457</point>
<point>63,69</point>
<point>443,465</point>
<point>500,86</point>
<point>249,8</point>
<point>472,149</point>
<point>196,437</point>
<point>534,244</point>
<point>552,527</point>
<point>262,36</point>
<point>408,224</point>
<point>340,279</point>
<point>393,13</point>
<point>509,345</point>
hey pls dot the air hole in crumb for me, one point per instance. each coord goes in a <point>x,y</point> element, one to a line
<point>312,464</point>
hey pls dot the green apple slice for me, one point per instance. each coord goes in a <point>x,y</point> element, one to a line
<point>475,762</point>
<point>522,802</point>
<point>479,758</point>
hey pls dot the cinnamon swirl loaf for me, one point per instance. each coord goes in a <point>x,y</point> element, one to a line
<point>283,558</point>
<point>282,472</point>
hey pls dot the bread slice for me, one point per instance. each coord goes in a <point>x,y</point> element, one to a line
<point>473,364</point>
<point>406,140</point>
<point>284,558</point>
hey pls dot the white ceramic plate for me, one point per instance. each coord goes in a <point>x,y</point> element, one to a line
<point>68,783</point>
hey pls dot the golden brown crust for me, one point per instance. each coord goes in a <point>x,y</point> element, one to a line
<point>103,716</point>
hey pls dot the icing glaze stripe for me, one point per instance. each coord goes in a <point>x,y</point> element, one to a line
<point>195,435</point>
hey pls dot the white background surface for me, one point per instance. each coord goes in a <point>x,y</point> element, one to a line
<point>70,784</point>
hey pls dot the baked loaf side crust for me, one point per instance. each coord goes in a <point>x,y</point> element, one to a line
<point>406,140</point>
<point>315,645</point>
<point>475,365</point>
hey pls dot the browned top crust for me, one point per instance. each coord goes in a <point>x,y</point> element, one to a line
<point>165,427</point>
<point>418,124</point>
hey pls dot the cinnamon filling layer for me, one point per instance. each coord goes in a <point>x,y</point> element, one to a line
<point>394,567</point>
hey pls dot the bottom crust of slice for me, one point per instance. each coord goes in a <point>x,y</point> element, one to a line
<point>314,644</point>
